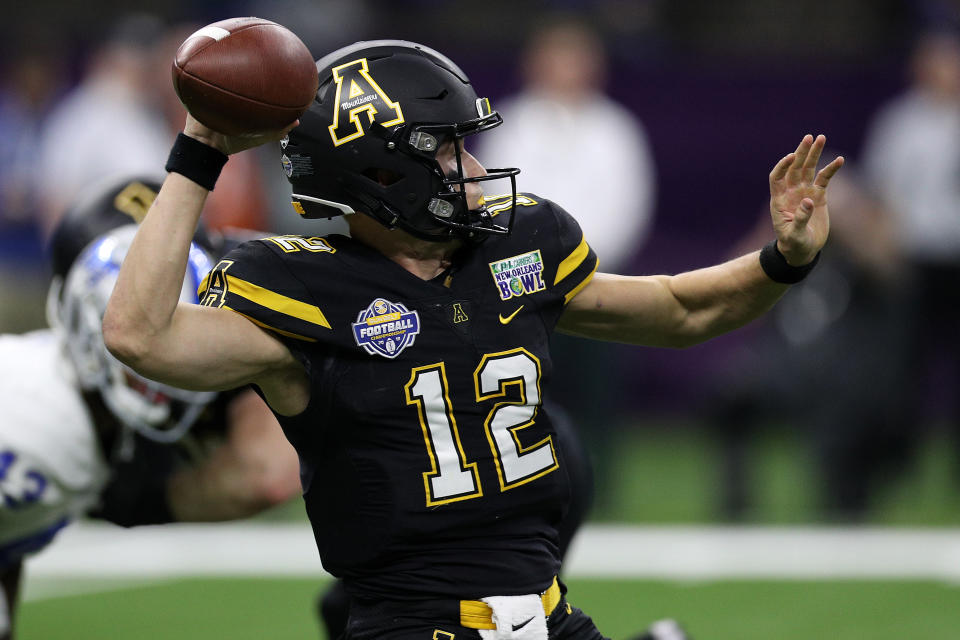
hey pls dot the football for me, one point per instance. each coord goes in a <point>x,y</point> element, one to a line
<point>244,76</point>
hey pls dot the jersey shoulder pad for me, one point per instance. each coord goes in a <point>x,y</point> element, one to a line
<point>260,280</point>
<point>568,261</point>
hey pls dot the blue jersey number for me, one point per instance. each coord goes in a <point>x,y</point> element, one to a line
<point>19,486</point>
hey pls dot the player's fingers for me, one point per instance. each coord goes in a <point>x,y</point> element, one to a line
<point>815,150</point>
<point>780,169</point>
<point>823,177</point>
<point>803,150</point>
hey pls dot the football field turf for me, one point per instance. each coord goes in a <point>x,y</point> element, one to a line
<point>260,580</point>
<point>253,608</point>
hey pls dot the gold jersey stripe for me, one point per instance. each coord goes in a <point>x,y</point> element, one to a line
<point>567,298</point>
<point>276,302</point>
<point>289,334</point>
<point>572,261</point>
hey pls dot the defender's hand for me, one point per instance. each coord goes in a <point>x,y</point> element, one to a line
<point>798,201</point>
<point>232,144</point>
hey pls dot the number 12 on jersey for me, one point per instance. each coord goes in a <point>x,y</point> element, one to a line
<point>451,476</point>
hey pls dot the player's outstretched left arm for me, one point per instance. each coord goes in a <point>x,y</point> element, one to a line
<point>685,309</point>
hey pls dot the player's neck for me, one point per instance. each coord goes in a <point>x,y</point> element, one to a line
<point>422,258</point>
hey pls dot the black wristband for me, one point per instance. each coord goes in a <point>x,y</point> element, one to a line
<point>777,269</point>
<point>196,161</point>
<point>133,507</point>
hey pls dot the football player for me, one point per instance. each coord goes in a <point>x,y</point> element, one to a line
<point>408,363</point>
<point>83,433</point>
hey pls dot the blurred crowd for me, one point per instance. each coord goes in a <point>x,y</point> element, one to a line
<point>861,358</point>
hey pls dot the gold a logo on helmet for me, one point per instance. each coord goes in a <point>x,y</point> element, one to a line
<point>362,94</point>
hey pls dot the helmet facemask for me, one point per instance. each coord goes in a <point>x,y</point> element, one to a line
<point>449,205</point>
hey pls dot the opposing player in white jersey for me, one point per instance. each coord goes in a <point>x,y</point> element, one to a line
<point>80,432</point>
<point>51,467</point>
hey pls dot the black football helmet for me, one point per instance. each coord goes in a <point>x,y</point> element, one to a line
<point>368,143</point>
<point>98,209</point>
<point>103,206</point>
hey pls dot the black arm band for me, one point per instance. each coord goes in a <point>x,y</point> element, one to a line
<point>197,161</point>
<point>777,269</point>
<point>144,505</point>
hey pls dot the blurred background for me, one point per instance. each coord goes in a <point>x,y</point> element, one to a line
<point>655,123</point>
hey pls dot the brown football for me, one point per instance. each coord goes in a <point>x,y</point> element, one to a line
<point>245,76</point>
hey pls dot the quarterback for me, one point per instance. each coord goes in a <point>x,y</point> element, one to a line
<point>408,362</point>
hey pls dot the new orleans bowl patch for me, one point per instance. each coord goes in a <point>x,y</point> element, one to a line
<point>386,328</point>
<point>519,275</point>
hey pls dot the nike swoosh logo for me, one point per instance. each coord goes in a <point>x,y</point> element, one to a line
<point>517,627</point>
<point>506,320</point>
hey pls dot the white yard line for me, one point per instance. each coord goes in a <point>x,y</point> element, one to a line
<point>103,552</point>
<point>766,552</point>
<point>49,587</point>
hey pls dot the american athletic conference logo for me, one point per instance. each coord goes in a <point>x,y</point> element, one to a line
<point>386,328</point>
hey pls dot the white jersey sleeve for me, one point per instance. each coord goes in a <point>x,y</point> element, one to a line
<point>51,466</point>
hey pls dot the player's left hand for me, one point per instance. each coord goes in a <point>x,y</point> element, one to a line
<point>798,201</point>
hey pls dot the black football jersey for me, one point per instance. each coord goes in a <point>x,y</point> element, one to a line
<point>429,467</point>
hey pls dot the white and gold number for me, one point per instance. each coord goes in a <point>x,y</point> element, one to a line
<point>451,477</point>
<point>516,464</point>
<point>499,203</point>
<point>292,244</point>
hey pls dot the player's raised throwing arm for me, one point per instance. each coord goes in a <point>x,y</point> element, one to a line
<point>681,310</point>
<point>190,346</point>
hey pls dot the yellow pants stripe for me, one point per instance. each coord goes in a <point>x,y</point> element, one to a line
<point>476,614</point>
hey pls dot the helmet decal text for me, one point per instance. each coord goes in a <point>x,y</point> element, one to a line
<point>362,95</point>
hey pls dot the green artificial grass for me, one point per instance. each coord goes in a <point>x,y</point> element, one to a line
<point>249,609</point>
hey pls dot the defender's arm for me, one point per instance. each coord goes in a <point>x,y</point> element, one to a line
<point>256,468</point>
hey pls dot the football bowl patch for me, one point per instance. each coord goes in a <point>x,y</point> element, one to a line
<point>518,275</point>
<point>386,328</point>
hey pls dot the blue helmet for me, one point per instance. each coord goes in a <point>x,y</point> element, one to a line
<point>159,412</point>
